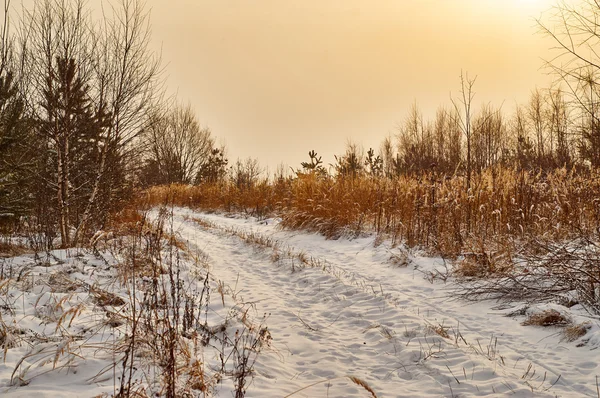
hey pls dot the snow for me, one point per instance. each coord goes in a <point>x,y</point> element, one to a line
<point>335,309</point>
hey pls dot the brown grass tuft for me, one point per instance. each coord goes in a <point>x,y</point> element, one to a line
<point>59,282</point>
<point>126,221</point>
<point>469,268</point>
<point>573,332</point>
<point>547,318</point>
<point>11,249</point>
<point>104,298</point>
<point>363,384</point>
<point>440,330</point>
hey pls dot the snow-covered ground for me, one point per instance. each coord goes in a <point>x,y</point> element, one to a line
<point>341,313</point>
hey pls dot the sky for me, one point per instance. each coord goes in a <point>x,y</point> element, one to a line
<point>274,79</point>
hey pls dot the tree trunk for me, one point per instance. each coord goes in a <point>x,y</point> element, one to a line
<point>63,190</point>
<point>88,209</point>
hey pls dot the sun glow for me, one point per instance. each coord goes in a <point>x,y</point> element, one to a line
<point>533,5</point>
<point>510,8</point>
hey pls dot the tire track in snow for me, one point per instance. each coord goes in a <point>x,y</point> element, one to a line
<point>481,328</point>
<point>519,346</point>
<point>331,328</point>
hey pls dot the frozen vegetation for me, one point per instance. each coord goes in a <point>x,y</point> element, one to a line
<point>198,304</point>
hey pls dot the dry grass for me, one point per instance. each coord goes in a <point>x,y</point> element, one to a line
<point>510,229</point>
<point>547,318</point>
<point>60,282</point>
<point>168,316</point>
<point>359,382</point>
<point>363,384</point>
<point>103,298</point>
<point>149,301</point>
<point>126,221</point>
<point>440,330</point>
<point>400,259</point>
<point>483,264</point>
<point>574,332</point>
<point>12,249</point>
<point>431,210</point>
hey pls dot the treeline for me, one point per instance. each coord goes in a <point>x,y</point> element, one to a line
<point>553,130</point>
<point>85,123</point>
<point>543,134</point>
<point>470,181</point>
<point>84,119</point>
<point>547,133</point>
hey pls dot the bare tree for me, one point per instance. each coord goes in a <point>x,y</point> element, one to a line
<point>489,135</point>
<point>129,83</point>
<point>463,108</point>
<point>536,111</point>
<point>558,119</point>
<point>575,29</point>
<point>118,80</point>
<point>58,57</point>
<point>390,158</point>
<point>447,138</point>
<point>415,142</point>
<point>177,146</point>
<point>245,173</point>
<point>523,148</point>
<point>441,139</point>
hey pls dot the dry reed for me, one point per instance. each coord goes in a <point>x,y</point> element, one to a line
<point>430,210</point>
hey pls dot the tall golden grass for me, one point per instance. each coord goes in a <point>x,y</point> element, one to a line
<point>437,212</point>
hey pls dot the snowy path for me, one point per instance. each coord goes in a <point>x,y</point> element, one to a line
<point>355,313</point>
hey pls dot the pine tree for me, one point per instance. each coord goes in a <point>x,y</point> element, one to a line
<point>15,156</point>
<point>214,169</point>
<point>312,167</point>
<point>73,130</point>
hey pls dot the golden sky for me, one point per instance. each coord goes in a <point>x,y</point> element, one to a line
<point>274,79</point>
